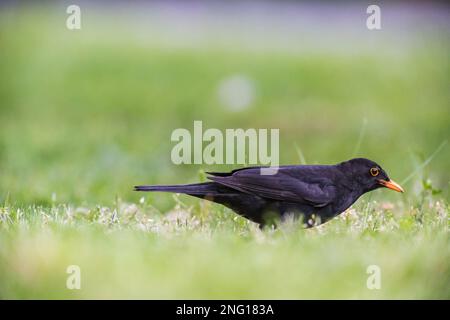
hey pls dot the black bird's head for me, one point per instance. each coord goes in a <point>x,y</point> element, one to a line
<point>368,175</point>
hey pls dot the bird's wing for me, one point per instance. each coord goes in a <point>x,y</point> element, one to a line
<point>289,184</point>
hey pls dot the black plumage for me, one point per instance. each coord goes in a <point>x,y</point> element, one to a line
<point>316,193</point>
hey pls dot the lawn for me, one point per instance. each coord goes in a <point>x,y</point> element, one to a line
<point>86,115</point>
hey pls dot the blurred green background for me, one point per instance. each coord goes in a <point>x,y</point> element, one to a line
<point>87,114</point>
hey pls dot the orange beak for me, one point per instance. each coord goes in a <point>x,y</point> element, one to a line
<point>391,185</point>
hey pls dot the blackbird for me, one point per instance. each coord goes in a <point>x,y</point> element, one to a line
<point>315,193</point>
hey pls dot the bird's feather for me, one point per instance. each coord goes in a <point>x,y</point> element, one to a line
<point>285,185</point>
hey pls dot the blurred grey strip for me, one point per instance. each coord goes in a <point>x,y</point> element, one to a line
<point>271,25</point>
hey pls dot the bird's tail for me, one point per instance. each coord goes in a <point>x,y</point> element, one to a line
<point>194,189</point>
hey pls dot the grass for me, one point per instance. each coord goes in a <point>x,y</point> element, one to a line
<point>86,115</point>
<point>133,251</point>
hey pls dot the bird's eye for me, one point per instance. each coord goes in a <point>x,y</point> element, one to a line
<point>374,171</point>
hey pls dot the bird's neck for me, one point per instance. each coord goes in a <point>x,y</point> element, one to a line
<point>352,181</point>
